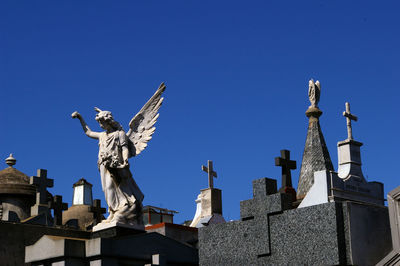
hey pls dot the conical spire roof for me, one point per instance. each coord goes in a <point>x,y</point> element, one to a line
<point>315,156</point>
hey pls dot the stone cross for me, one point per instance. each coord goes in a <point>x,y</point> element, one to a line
<point>42,183</point>
<point>97,210</point>
<point>211,173</point>
<point>287,165</point>
<point>349,116</point>
<point>58,206</point>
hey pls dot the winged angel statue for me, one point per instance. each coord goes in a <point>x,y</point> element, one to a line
<point>122,194</point>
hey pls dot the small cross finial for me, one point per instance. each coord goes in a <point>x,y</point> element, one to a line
<point>42,183</point>
<point>349,116</point>
<point>211,173</point>
<point>287,165</point>
<point>10,161</point>
<point>97,211</point>
<point>58,206</point>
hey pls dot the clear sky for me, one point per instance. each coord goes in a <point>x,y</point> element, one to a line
<point>237,79</point>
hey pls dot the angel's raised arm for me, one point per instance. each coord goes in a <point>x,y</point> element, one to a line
<point>85,127</point>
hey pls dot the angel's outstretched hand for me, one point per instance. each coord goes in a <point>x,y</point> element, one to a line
<point>75,115</point>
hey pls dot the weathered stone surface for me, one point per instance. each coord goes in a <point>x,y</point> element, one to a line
<point>271,204</point>
<point>16,194</point>
<point>328,187</point>
<point>263,187</point>
<point>234,243</point>
<point>181,233</point>
<point>368,233</point>
<point>315,158</point>
<point>309,236</point>
<point>264,201</point>
<point>14,238</point>
<point>393,257</point>
<point>131,249</point>
<point>48,247</point>
<point>270,233</point>
<point>306,236</point>
<point>81,213</point>
<point>209,208</point>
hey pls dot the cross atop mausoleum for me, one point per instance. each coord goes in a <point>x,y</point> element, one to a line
<point>42,183</point>
<point>287,165</point>
<point>97,210</point>
<point>58,206</point>
<point>211,173</point>
<point>349,116</point>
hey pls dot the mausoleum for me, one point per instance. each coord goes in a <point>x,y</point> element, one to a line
<point>333,216</point>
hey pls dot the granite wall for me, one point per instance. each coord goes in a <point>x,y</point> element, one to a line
<point>271,232</point>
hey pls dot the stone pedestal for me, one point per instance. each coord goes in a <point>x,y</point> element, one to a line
<point>211,201</point>
<point>209,208</point>
<point>107,230</point>
<point>349,156</point>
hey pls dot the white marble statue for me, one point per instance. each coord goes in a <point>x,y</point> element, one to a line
<point>314,92</point>
<point>122,194</point>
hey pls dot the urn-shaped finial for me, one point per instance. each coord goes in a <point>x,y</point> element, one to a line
<point>11,160</point>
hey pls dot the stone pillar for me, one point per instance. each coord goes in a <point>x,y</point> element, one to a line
<point>209,208</point>
<point>349,156</point>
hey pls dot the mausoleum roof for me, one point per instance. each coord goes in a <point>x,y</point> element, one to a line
<point>81,182</point>
<point>13,181</point>
<point>11,175</point>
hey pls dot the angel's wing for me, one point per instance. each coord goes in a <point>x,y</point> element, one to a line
<point>141,127</point>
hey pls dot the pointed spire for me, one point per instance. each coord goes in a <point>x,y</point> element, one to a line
<point>315,156</point>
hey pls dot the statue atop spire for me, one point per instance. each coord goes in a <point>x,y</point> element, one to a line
<point>316,155</point>
<point>314,91</point>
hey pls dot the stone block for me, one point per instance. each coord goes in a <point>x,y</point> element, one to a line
<point>131,248</point>
<point>329,187</point>
<point>234,243</point>
<point>181,233</point>
<point>264,205</point>
<point>307,236</point>
<point>263,187</point>
<point>49,247</point>
<point>369,235</point>
<point>211,201</point>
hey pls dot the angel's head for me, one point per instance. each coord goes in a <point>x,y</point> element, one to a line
<point>106,120</point>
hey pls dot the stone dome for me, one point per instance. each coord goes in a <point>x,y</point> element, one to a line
<point>13,181</point>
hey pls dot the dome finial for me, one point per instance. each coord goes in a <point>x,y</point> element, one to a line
<point>11,160</point>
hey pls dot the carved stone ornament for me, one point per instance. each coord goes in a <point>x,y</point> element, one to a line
<point>314,92</point>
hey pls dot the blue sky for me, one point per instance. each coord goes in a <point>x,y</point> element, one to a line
<point>237,78</point>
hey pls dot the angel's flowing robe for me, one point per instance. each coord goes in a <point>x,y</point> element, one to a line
<point>120,190</point>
